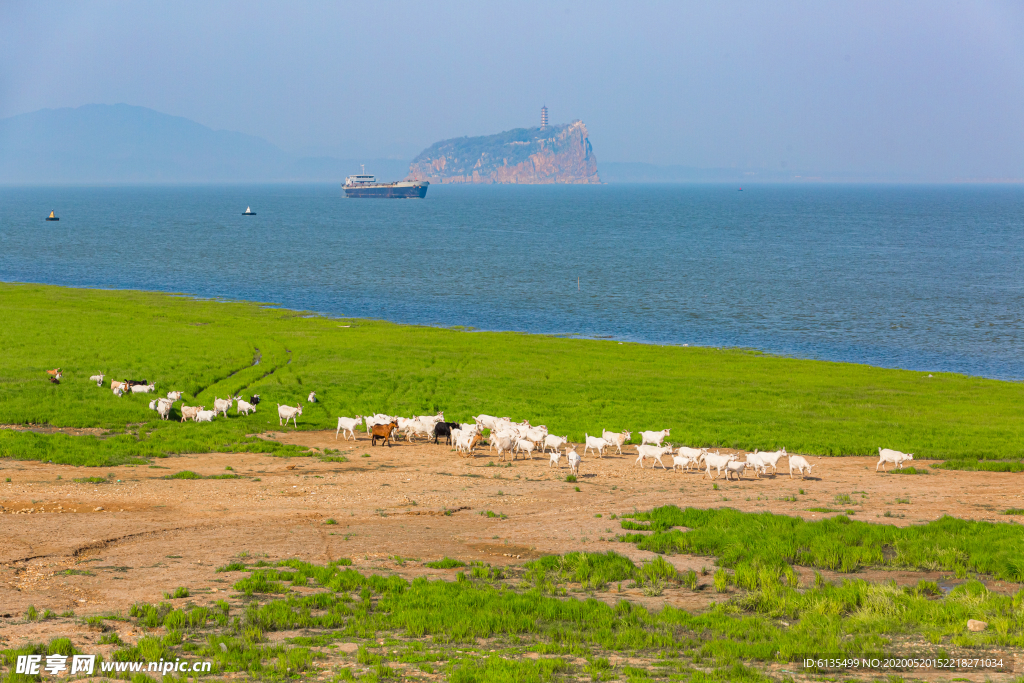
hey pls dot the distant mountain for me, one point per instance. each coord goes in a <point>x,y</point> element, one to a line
<point>120,143</point>
<point>554,154</point>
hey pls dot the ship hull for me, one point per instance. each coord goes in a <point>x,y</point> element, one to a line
<point>388,191</point>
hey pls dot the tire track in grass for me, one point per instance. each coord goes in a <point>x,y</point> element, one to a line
<point>257,358</point>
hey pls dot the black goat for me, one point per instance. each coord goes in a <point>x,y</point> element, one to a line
<point>445,429</point>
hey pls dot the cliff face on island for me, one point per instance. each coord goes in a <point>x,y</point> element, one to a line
<point>531,156</point>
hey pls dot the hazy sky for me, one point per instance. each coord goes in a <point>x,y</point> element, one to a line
<point>929,89</point>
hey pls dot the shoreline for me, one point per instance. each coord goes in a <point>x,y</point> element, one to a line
<point>555,335</point>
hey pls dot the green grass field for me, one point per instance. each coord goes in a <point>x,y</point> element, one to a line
<point>708,397</point>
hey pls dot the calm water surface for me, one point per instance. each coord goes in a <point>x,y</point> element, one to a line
<point>926,278</point>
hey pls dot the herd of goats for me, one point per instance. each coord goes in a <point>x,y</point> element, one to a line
<point>508,438</point>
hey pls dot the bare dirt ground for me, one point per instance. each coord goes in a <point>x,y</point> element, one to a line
<point>98,548</point>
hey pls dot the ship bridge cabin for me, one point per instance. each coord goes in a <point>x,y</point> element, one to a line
<point>360,180</point>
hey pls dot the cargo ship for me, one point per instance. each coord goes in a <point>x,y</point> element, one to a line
<point>366,186</point>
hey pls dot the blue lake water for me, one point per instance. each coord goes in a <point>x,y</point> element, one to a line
<point>925,278</point>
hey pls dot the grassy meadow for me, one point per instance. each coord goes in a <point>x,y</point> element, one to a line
<point>205,348</point>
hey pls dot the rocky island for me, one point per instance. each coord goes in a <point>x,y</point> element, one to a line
<point>531,156</point>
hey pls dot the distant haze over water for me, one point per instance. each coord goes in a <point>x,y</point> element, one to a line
<point>917,277</point>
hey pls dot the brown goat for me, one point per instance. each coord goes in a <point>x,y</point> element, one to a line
<point>383,432</point>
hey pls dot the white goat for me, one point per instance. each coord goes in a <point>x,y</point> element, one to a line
<point>174,395</point>
<point>757,461</point>
<point>596,443</point>
<point>205,415</point>
<point>244,407</point>
<point>525,445</point>
<point>771,459</point>
<point>288,413</point>
<point>688,456</point>
<point>655,452</point>
<point>556,455</point>
<point>431,419</point>
<point>98,379</point>
<point>143,388</point>
<point>503,444</point>
<point>574,459</point>
<point>347,425</point>
<point>718,461</point>
<point>535,434</point>
<point>616,438</point>
<point>419,427</point>
<point>311,398</point>
<point>465,441</point>
<point>222,405</point>
<point>487,421</point>
<point>190,412</point>
<point>502,434</point>
<point>163,408</point>
<point>158,401</point>
<point>653,437</point>
<point>897,458</point>
<point>798,462</point>
<point>735,467</point>
<point>554,442</point>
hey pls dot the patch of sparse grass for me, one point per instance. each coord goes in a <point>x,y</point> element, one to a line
<point>76,572</point>
<point>908,470</point>
<point>179,592</point>
<point>110,638</point>
<point>976,465</point>
<point>184,474</point>
<point>1014,511</point>
<point>837,543</point>
<point>90,480</point>
<point>446,563</point>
